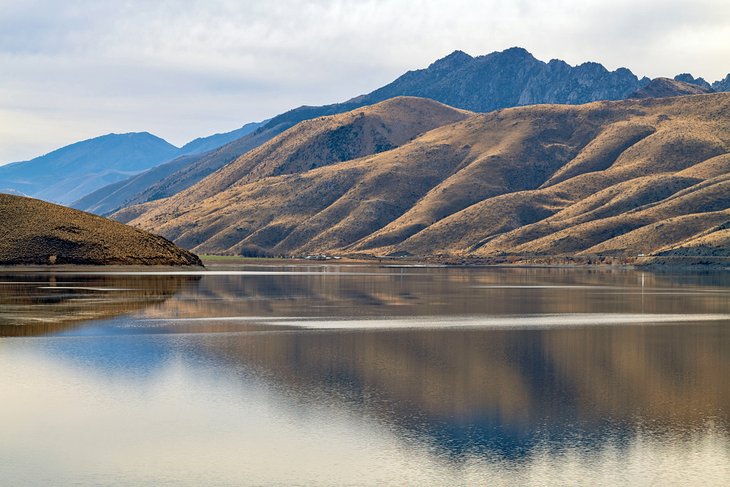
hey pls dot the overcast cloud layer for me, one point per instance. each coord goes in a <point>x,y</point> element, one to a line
<point>76,69</point>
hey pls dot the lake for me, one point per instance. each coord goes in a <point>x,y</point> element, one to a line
<point>365,375</point>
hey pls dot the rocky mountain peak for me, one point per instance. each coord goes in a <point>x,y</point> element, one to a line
<point>666,87</point>
<point>452,61</point>
<point>688,78</point>
<point>722,85</point>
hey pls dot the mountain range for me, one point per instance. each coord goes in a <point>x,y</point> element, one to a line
<point>665,87</point>
<point>74,171</point>
<point>498,80</point>
<point>611,178</point>
<point>488,157</point>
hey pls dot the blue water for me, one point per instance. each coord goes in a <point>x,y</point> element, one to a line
<point>337,375</point>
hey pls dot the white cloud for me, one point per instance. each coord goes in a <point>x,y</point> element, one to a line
<point>75,69</point>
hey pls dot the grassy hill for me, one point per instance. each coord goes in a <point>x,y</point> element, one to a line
<point>321,142</point>
<point>617,178</point>
<point>33,232</point>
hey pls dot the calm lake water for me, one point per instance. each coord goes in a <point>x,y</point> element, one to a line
<point>365,375</point>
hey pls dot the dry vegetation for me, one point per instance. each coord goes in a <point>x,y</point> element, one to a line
<point>609,178</point>
<point>33,232</point>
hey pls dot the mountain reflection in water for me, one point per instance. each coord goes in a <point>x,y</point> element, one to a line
<point>40,304</point>
<point>524,403</point>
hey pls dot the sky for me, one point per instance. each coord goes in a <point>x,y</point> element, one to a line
<point>75,69</point>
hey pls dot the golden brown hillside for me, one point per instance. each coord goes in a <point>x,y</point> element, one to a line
<point>33,232</point>
<point>610,178</point>
<point>320,142</point>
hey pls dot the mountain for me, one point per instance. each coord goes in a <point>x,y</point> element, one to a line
<point>77,169</point>
<point>501,79</point>
<point>509,78</point>
<point>617,178</point>
<point>171,177</point>
<point>498,80</point>
<point>688,78</point>
<point>33,232</point>
<point>320,142</point>
<point>722,85</point>
<point>74,171</point>
<point>665,87</point>
<point>113,196</point>
<point>206,144</point>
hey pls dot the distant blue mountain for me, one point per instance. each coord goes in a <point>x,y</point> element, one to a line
<point>205,144</point>
<point>72,172</point>
<point>217,149</point>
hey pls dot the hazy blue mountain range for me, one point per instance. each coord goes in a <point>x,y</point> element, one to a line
<point>168,178</point>
<point>115,195</point>
<point>498,80</point>
<point>205,144</point>
<point>77,169</point>
<point>71,172</point>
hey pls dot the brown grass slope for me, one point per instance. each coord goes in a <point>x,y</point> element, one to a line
<point>613,178</point>
<point>315,143</point>
<point>33,232</point>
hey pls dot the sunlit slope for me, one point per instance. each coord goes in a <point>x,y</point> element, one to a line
<point>35,232</point>
<point>323,141</point>
<point>610,178</point>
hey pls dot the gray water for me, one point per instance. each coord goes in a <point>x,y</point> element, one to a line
<point>338,375</point>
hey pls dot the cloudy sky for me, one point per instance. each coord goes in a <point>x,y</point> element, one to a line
<point>75,69</point>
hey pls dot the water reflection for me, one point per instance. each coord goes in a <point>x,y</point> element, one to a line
<point>46,303</point>
<point>372,292</point>
<point>226,381</point>
<point>506,391</point>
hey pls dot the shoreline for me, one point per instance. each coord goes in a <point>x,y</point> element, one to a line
<point>688,263</point>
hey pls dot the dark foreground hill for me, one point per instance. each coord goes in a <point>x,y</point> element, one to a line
<point>33,232</point>
<point>618,178</point>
